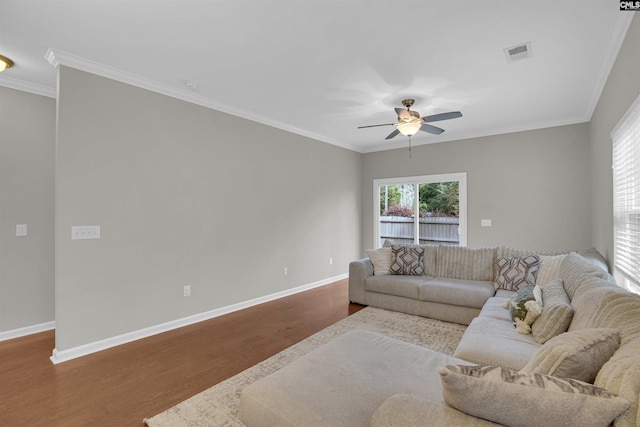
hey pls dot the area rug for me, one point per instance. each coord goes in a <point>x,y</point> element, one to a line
<point>218,405</point>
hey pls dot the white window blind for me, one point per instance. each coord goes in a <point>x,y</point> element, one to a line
<point>626,196</point>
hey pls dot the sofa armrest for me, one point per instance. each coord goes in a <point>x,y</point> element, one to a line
<point>358,272</point>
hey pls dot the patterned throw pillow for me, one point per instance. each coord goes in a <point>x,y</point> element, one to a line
<point>407,260</point>
<point>515,272</point>
<point>381,260</point>
<point>577,354</point>
<point>522,399</point>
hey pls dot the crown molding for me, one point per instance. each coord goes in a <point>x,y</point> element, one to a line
<point>614,44</point>
<point>57,58</point>
<point>21,85</point>
<point>473,135</point>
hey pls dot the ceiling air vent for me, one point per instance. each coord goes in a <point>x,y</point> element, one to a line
<point>520,51</point>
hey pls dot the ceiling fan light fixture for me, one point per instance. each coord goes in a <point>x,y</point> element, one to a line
<point>410,128</point>
<point>5,63</point>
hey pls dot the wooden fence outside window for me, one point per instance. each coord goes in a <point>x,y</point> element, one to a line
<point>433,230</point>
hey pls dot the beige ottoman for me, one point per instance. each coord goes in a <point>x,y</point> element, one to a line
<point>343,382</point>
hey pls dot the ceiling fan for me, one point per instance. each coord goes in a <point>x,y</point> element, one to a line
<point>410,122</point>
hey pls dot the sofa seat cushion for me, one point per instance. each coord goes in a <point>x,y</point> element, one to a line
<point>494,307</point>
<point>489,341</point>
<point>402,286</point>
<point>504,293</point>
<point>467,293</point>
<point>343,382</point>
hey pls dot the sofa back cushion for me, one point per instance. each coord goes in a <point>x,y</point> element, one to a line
<point>430,257</point>
<point>578,273</point>
<point>549,268</point>
<point>459,262</point>
<point>511,252</point>
<point>595,257</point>
<point>600,304</point>
<point>618,309</point>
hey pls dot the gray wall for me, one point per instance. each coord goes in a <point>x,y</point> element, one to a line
<point>622,88</point>
<point>534,185</point>
<point>187,195</point>
<point>160,175</point>
<point>27,143</point>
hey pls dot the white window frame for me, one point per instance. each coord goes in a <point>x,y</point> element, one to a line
<point>625,141</point>
<point>460,177</point>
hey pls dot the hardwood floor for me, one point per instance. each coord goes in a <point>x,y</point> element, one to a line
<point>122,385</point>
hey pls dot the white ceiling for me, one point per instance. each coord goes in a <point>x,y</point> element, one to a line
<point>321,68</point>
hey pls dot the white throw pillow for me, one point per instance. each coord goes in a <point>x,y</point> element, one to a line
<point>381,260</point>
<point>556,315</point>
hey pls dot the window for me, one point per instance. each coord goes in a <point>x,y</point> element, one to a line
<point>427,209</point>
<point>626,198</point>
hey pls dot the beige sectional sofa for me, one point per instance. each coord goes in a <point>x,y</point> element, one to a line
<point>579,366</point>
<point>455,284</point>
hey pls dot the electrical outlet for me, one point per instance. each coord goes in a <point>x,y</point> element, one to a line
<point>187,291</point>
<point>330,261</point>
<point>285,271</point>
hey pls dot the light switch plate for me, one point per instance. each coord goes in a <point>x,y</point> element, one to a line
<point>21,230</point>
<point>79,232</point>
<point>485,223</point>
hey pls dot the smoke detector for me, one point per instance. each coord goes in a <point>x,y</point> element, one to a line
<point>517,52</point>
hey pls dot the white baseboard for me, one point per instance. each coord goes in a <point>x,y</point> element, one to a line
<point>27,330</point>
<point>83,350</point>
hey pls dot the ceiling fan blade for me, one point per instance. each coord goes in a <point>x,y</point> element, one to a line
<point>392,134</point>
<point>442,116</point>
<point>431,129</point>
<point>374,126</point>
